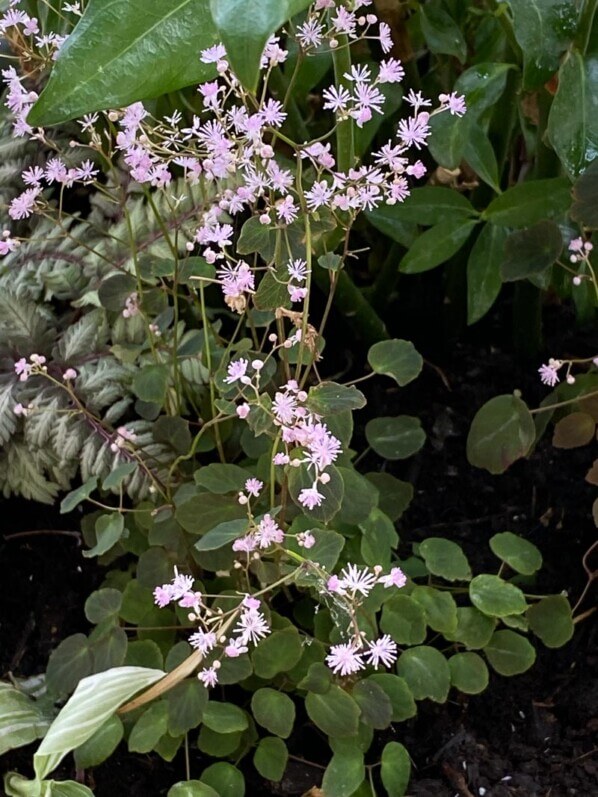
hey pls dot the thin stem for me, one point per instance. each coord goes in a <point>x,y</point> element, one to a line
<point>550,407</point>
<point>345,142</point>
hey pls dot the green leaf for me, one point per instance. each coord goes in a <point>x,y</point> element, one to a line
<point>116,477</point>
<point>445,558</point>
<point>585,198</point>
<point>186,702</point>
<point>375,705</point>
<point>101,745</point>
<point>218,745</point>
<point>22,720</point>
<point>192,788</point>
<point>279,652</point>
<point>543,29</point>
<point>396,769</point>
<point>427,673</point>
<point>479,154</point>
<point>398,359</point>
<point>482,85</point>
<point>335,712</point>
<point>519,554</point>
<point>495,597</point>
<point>404,619</point>
<point>330,261</point>
<point>394,495</point>
<point>122,51</point>
<point>102,605</point>
<point>222,535</point>
<point>360,497</point>
<point>574,430</point>
<point>225,779</point>
<point>474,629</point>
<point>469,673</point>
<point>150,384</point>
<point>399,694</point>
<point>69,663</point>
<point>333,492</point>
<point>220,479</point>
<point>254,237</point>
<point>344,773</point>
<point>109,529</point>
<point>509,653</point>
<point>527,203</point>
<point>274,711</point>
<point>573,120</point>
<point>395,438</point>
<point>528,253</point>
<point>449,135</point>
<point>329,398</point>
<point>436,246</point>
<point>75,497</point>
<point>427,206</point>
<point>379,538</point>
<point>502,432</point>
<point>483,271</point>
<point>439,608</point>
<point>224,717</point>
<point>149,728</point>
<point>441,32</point>
<point>270,758</point>
<point>551,620</point>
<point>201,513</point>
<point>95,699</point>
<point>327,549</point>
<point>318,678</point>
<point>245,29</point>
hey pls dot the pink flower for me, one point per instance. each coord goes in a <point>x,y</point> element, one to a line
<point>203,641</point>
<point>356,580</point>
<point>310,497</point>
<point>69,374</point>
<point>306,539</point>
<point>455,103</point>
<point>235,648</point>
<point>396,578</point>
<point>243,410</point>
<point>163,595</point>
<point>22,206</point>
<point>344,659</point>
<point>253,486</point>
<point>213,54</point>
<point>391,71</point>
<point>385,37</point>
<point>22,369</point>
<point>209,676</point>
<point>268,532</point>
<point>382,650</point>
<point>549,374</point>
<point>252,627</point>
<point>236,370</point>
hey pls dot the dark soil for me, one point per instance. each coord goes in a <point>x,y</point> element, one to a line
<point>529,736</point>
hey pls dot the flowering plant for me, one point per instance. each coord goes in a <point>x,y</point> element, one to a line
<point>208,440</point>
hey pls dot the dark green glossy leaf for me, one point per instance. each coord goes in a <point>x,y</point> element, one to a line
<point>101,745</point>
<point>439,608</point>
<point>510,653</point>
<point>108,529</point>
<point>359,499</point>
<point>469,673</point>
<point>246,27</point>
<point>394,495</point>
<point>395,770</point>
<point>474,628</point>
<point>375,705</point>
<point>270,758</point>
<point>551,620</point>
<point>398,359</point>
<point>274,711</point>
<point>441,32</point>
<point>495,597</point>
<point>395,438</point>
<point>445,558</point>
<point>335,712</point>
<point>399,694</point>
<point>521,555</point>
<point>573,120</point>
<point>530,252</point>
<point>225,779</point>
<point>329,398</point>
<point>344,773</point>
<point>222,535</point>
<point>479,154</point>
<point>585,197</point>
<point>123,51</point>
<point>528,203</point>
<point>502,432</point>
<point>436,245</point>
<point>404,619</point>
<point>483,271</point>
<point>150,383</point>
<point>426,206</point>
<point>301,478</point>
<point>427,673</point>
<point>74,498</point>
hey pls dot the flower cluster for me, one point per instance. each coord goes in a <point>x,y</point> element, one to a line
<point>36,365</point>
<point>214,639</point>
<point>580,253</point>
<point>121,438</point>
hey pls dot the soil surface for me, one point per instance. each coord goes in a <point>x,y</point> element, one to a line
<point>534,735</point>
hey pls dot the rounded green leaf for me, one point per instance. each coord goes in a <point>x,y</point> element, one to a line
<point>333,492</point>
<point>469,673</point>
<point>399,694</point>
<point>186,702</point>
<point>495,597</point>
<point>103,604</point>
<point>519,554</point>
<point>124,51</point>
<point>274,711</point>
<point>191,788</point>
<point>394,495</point>
<point>379,539</point>
<point>345,772</point>
<point>426,672</point>
<point>445,558</point>
<point>101,745</point>
<point>474,629</point>
<point>404,619</point>
<point>335,712</point>
<point>509,653</point>
<point>278,652</point>
<point>396,769</point>
<point>69,663</point>
<point>330,398</point>
<point>375,705</point>
<point>224,717</point>
<point>270,758</point>
<point>149,728</point>
<point>395,438</point>
<point>439,608</point>
<point>318,678</point>
<point>529,252</point>
<point>359,498</point>
<point>502,432</point>
<point>218,745</point>
<point>225,779</point>
<point>398,359</point>
<point>551,620</point>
